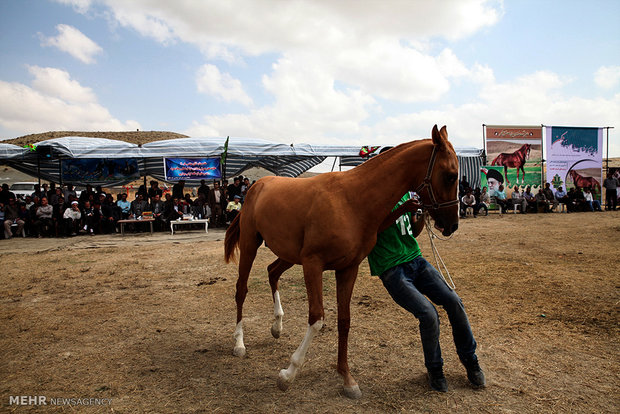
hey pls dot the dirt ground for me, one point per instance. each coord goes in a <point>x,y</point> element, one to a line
<point>147,322</point>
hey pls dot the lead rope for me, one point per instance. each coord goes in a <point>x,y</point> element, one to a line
<point>438,259</point>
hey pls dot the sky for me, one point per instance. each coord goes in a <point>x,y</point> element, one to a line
<point>346,72</point>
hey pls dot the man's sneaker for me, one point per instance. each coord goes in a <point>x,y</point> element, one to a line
<point>474,372</point>
<point>437,380</point>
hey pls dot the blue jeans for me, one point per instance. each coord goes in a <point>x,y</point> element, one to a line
<point>409,284</point>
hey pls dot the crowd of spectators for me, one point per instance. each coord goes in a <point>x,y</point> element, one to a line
<point>52,211</point>
<point>543,200</point>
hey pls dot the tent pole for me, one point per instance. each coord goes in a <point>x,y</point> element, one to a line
<point>39,170</point>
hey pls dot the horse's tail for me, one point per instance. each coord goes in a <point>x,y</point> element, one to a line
<point>231,241</point>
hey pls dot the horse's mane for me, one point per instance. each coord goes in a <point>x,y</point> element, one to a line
<point>392,152</point>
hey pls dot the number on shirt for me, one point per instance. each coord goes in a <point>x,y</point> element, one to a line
<point>405,225</point>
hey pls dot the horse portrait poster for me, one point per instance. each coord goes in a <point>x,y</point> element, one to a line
<point>518,151</point>
<point>575,157</point>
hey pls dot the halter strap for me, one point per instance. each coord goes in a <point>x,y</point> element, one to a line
<point>428,185</point>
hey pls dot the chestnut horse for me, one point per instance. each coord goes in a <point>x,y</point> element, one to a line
<point>514,160</point>
<point>585,182</point>
<point>330,222</point>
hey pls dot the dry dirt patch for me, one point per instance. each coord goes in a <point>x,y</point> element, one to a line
<point>147,321</point>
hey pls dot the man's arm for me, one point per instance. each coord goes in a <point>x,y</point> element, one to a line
<point>410,205</point>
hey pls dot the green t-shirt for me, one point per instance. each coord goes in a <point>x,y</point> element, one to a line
<point>395,245</point>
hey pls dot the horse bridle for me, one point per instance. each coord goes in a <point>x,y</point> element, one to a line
<point>429,187</point>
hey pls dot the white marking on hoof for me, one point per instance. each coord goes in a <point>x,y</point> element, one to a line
<point>239,349</point>
<point>284,380</point>
<point>276,327</point>
<point>286,376</point>
<point>353,392</point>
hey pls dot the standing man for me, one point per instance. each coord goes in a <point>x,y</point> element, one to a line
<point>611,192</point>
<point>413,283</point>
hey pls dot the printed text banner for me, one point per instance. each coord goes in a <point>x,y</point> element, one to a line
<point>191,169</point>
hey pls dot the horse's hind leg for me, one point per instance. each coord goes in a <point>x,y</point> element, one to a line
<point>313,276</point>
<point>247,254</point>
<point>275,271</point>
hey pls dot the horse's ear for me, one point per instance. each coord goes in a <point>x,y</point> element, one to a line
<point>440,137</point>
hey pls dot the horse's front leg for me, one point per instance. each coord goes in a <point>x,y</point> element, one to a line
<point>345,279</point>
<point>313,276</point>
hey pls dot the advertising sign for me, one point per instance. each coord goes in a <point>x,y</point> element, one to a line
<point>575,158</point>
<point>100,170</point>
<point>518,150</point>
<point>177,169</point>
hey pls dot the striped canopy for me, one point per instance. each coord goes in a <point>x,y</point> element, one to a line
<point>243,153</point>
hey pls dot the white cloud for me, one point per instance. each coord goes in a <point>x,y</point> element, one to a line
<point>305,102</point>
<point>80,6</point>
<point>54,102</point>
<point>222,85</point>
<point>378,47</point>
<point>58,83</point>
<point>74,42</point>
<point>607,77</point>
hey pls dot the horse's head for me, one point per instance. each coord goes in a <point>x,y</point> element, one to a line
<point>573,174</point>
<point>442,190</point>
<point>528,148</point>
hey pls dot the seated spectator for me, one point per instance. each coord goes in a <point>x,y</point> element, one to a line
<point>71,219</point>
<point>139,205</point>
<point>530,198</point>
<point>157,207</point>
<point>591,203</point>
<point>518,199</point>
<point>173,210</point>
<point>542,205</point>
<point>561,196</point>
<point>468,201</point>
<point>579,200</point>
<point>233,208</point>
<point>187,204</point>
<point>484,201</point>
<point>90,220</point>
<point>110,215</point>
<point>500,197</point>
<point>31,216</point>
<point>125,206</point>
<point>59,209</point>
<point>201,209</point>
<point>24,214</point>
<point>550,196</point>
<point>44,223</point>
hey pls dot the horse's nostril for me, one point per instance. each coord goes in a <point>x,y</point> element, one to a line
<point>455,226</point>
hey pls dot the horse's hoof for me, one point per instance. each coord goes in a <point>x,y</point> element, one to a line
<point>275,332</point>
<point>353,392</point>
<point>283,382</point>
<point>239,351</point>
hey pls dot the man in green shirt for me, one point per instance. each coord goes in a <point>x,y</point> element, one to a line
<point>410,280</point>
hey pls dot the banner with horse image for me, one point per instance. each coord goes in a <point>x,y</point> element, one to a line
<point>177,169</point>
<point>575,158</point>
<point>518,151</point>
<point>99,170</point>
